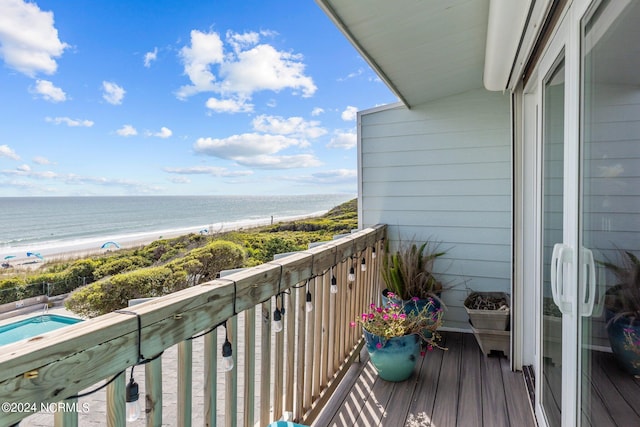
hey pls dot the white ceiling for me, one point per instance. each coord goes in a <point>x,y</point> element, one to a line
<point>422,49</point>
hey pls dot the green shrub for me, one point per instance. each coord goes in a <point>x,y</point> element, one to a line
<point>114,292</point>
<point>120,265</point>
<point>204,264</point>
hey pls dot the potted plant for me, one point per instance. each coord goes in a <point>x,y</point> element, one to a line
<point>394,336</point>
<point>489,317</point>
<point>622,311</point>
<point>408,273</point>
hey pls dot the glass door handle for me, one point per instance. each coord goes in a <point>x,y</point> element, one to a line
<point>587,282</point>
<point>562,254</point>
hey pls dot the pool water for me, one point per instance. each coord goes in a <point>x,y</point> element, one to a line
<point>33,326</point>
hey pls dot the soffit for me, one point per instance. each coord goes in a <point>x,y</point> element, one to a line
<point>422,49</point>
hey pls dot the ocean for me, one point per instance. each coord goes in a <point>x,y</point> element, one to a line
<point>42,224</point>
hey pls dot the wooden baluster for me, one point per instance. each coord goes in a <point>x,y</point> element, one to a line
<point>69,418</point>
<point>265,364</point>
<point>331,326</point>
<point>290,351</point>
<point>210,378</point>
<point>116,393</point>
<point>231,378</point>
<point>279,356</point>
<point>301,322</point>
<point>153,392</point>
<point>249,366</point>
<point>316,351</point>
<point>185,375</point>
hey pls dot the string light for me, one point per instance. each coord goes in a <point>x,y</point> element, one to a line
<point>363,265</point>
<point>352,274</point>
<point>132,405</point>
<point>373,253</point>
<point>227,351</point>
<point>334,285</point>
<point>277,320</point>
<point>309,304</point>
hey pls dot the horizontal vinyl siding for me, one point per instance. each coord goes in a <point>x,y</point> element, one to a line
<point>443,171</point>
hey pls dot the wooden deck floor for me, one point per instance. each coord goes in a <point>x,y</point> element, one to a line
<point>457,387</point>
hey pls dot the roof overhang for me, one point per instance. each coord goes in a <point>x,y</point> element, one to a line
<point>428,49</point>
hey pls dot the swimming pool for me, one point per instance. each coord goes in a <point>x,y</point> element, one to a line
<point>33,326</point>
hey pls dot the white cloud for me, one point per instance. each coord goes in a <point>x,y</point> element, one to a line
<point>113,93</point>
<point>39,160</point>
<point>150,56</point>
<point>48,91</point>
<point>208,170</point>
<point>345,140</point>
<point>264,161</point>
<point>163,133</point>
<point>336,176</point>
<point>245,145</point>
<point>229,105</point>
<point>349,114</point>
<point>180,180</point>
<point>290,126</point>
<point>28,38</point>
<point>6,151</point>
<point>24,168</point>
<point>352,75</point>
<point>206,49</point>
<point>317,111</point>
<point>69,122</point>
<point>248,67</point>
<point>127,130</point>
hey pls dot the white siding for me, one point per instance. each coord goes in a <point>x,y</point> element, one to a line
<point>442,170</point>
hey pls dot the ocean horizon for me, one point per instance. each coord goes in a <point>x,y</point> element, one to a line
<point>46,224</point>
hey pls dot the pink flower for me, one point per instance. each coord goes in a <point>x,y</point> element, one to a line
<point>364,316</point>
<point>403,316</point>
<point>372,305</point>
<point>385,317</point>
<point>430,347</point>
<point>415,299</point>
<point>390,294</point>
<point>379,309</point>
<point>395,316</point>
<point>379,345</point>
<point>371,316</point>
<point>423,353</point>
<point>352,324</point>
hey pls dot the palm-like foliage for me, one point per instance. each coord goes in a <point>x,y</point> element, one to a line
<point>408,272</point>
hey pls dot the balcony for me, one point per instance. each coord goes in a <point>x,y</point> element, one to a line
<point>305,372</point>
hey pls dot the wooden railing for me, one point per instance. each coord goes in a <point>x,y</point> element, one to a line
<point>292,372</point>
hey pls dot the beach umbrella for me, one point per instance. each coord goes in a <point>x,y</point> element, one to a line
<point>35,254</point>
<point>109,244</point>
<point>9,256</point>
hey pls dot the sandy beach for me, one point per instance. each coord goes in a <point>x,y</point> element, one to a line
<point>65,250</point>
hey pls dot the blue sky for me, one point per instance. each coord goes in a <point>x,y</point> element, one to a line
<point>119,97</point>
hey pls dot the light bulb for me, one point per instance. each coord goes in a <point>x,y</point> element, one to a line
<point>227,356</point>
<point>309,304</point>
<point>352,274</point>
<point>133,406</point>
<point>363,265</point>
<point>334,285</point>
<point>373,253</point>
<point>277,321</point>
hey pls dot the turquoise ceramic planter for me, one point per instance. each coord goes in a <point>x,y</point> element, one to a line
<point>628,359</point>
<point>396,357</point>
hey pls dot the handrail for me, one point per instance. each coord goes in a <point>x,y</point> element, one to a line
<point>63,363</point>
